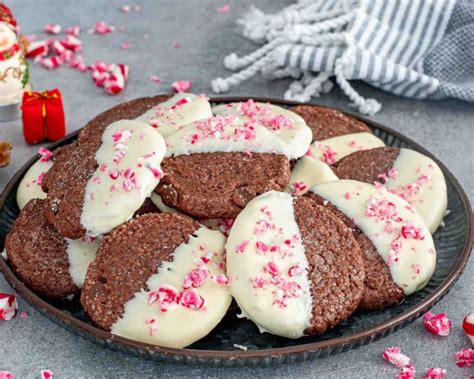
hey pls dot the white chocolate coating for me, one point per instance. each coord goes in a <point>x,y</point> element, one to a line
<point>80,254</point>
<point>182,109</point>
<point>391,224</point>
<point>12,70</point>
<point>160,205</point>
<point>181,326</point>
<point>287,125</point>
<point>267,222</point>
<point>307,173</point>
<point>128,171</point>
<point>30,185</point>
<point>224,134</point>
<point>334,149</point>
<point>420,181</point>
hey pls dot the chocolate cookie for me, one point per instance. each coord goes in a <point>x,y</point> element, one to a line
<point>154,274</point>
<point>407,173</point>
<point>294,267</point>
<point>397,247</point>
<point>103,178</point>
<point>213,168</point>
<point>47,263</point>
<point>326,123</point>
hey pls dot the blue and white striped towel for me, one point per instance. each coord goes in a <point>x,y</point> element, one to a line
<point>413,48</point>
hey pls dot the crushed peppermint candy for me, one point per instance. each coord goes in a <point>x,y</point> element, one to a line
<point>102,28</point>
<point>8,306</point>
<point>242,246</point>
<point>52,28</point>
<point>155,79</point>
<point>195,278</point>
<point>167,296</point>
<point>223,9</point>
<point>407,372</point>
<point>125,9</point>
<point>6,375</point>
<point>394,356</point>
<point>465,358</point>
<point>434,373</point>
<point>191,299</point>
<point>45,154</point>
<point>181,86</point>
<point>46,374</point>
<point>437,324</point>
<point>298,187</point>
<point>23,314</point>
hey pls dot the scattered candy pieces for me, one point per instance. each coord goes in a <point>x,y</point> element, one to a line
<point>407,372</point>
<point>468,327</point>
<point>52,29</point>
<point>181,86</point>
<point>73,30</point>
<point>37,49</point>
<point>175,45</point>
<point>6,375</point>
<point>8,306</point>
<point>46,374</point>
<point>125,9</point>
<point>126,45</point>
<point>102,28</point>
<point>394,356</point>
<point>437,324</point>
<point>23,314</point>
<point>223,9</point>
<point>465,358</point>
<point>434,373</point>
<point>155,79</point>
<point>112,77</point>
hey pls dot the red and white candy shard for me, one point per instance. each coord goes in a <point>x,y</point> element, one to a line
<point>181,86</point>
<point>434,373</point>
<point>407,372</point>
<point>465,358</point>
<point>307,173</point>
<point>123,179</point>
<point>46,374</point>
<point>393,226</point>
<point>287,125</point>
<point>224,134</point>
<point>8,306</point>
<point>181,109</point>
<point>468,327</point>
<point>185,288</point>
<point>6,375</point>
<point>394,356</point>
<point>437,324</point>
<point>420,181</point>
<point>267,265</point>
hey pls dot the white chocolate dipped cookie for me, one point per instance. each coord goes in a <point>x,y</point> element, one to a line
<point>175,290</point>
<point>392,226</point>
<point>213,167</point>
<point>171,115</point>
<point>291,274</point>
<point>287,125</point>
<point>405,172</point>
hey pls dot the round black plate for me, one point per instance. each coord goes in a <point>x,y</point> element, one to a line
<point>453,244</point>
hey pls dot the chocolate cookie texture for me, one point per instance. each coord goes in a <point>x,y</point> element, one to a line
<point>154,274</point>
<point>406,173</point>
<point>49,264</point>
<point>327,123</point>
<point>397,232</point>
<point>294,267</point>
<point>171,115</point>
<point>98,185</point>
<point>287,125</point>
<point>214,167</point>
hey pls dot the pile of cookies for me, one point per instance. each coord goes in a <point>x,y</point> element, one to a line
<point>164,209</point>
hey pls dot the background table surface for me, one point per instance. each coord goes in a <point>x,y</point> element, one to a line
<point>446,128</point>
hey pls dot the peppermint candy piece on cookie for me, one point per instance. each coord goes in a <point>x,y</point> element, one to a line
<point>285,124</point>
<point>406,173</point>
<point>399,252</point>
<point>154,274</point>
<point>290,273</point>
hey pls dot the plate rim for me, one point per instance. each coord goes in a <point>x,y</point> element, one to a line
<point>373,332</point>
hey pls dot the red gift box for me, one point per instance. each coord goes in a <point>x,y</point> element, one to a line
<point>43,116</point>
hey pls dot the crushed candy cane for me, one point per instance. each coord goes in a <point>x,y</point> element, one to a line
<point>181,86</point>
<point>52,28</point>
<point>468,326</point>
<point>155,79</point>
<point>407,372</point>
<point>6,375</point>
<point>195,278</point>
<point>102,28</point>
<point>394,356</point>
<point>8,306</point>
<point>167,296</point>
<point>434,373</point>
<point>191,299</point>
<point>46,374</point>
<point>437,324</point>
<point>223,9</point>
<point>465,358</point>
<point>45,154</point>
